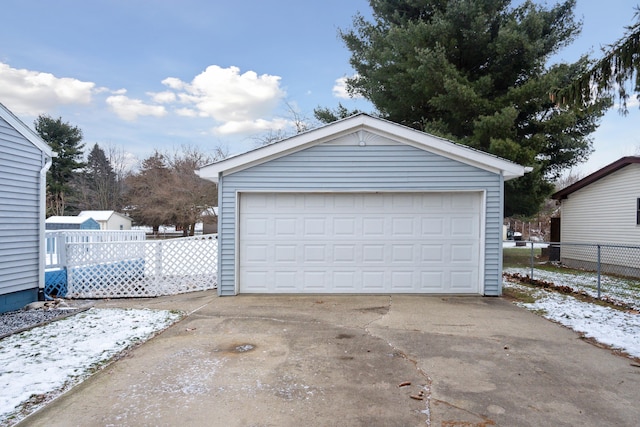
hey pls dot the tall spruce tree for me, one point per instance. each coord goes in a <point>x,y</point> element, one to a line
<point>150,192</point>
<point>97,188</point>
<point>64,140</point>
<point>475,71</point>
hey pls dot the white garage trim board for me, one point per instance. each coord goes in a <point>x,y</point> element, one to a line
<point>360,242</point>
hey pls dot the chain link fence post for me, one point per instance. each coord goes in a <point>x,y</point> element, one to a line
<point>599,268</point>
<point>531,260</point>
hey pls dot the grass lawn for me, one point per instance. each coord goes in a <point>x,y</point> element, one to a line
<point>520,257</point>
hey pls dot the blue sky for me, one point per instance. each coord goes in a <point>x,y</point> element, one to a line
<point>141,75</point>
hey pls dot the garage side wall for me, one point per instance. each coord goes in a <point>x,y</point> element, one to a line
<point>345,168</point>
<point>20,164</point>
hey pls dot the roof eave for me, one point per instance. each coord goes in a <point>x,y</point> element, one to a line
<point>597,175</point>
<point>410,136</point>
<point>25,131</point>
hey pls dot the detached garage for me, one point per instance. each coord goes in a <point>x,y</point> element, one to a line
<point>362,205</point>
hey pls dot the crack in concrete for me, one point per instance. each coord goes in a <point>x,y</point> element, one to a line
<point>426,387</point>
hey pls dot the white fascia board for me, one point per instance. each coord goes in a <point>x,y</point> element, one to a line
<point>25,131</point>
<point>352,124</point>
<point>281,148</point>
<point>452,150</point>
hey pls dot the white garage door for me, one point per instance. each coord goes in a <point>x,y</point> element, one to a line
<point>359,242</point>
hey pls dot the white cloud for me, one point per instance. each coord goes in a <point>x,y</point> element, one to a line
<point>163,97</point>
<point>130,109</point>
<point>186,112</point>
<point>238,101</point>
<point>340,89</point>
<point>251,126</point>
<point>33,93</point>
<point>173,83</point>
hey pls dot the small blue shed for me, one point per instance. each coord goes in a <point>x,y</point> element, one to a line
<point>24,161</point>
<point>72,223</point>
<point>362,205</point>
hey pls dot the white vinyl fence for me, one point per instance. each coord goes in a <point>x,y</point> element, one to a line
<point>140,268</point>
<point>55,242</point>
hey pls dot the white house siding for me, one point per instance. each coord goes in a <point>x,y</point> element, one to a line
<point>605,210</point>
<point>602,212</point>
<point>20,165</point>
<point>352,168</point>
<point>117,222</point>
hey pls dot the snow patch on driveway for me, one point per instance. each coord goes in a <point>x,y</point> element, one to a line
<point>42,363</point>
<point>616,328</point>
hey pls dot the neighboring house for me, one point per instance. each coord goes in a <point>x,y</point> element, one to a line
<point>604,208</point>
<point>24,161</point>
<point>71,223</point>
<point>361,205</point>
<point>109,220</point>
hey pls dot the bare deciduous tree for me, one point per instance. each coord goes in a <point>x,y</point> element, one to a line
<point>166,190</point>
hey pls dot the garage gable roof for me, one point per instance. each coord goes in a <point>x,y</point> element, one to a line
<point>358,123</point>
<point>589,179</point>
<point>25,131</point>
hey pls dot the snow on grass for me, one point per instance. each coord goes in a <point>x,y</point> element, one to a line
<point>615,328</point>
<point>623,290</point>
<point>40,364</point>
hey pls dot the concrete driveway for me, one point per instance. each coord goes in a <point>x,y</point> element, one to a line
<point>340,361</point>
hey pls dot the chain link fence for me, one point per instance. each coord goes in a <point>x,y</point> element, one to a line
<point>603,269</point>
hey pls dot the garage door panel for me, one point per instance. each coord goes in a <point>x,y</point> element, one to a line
<point>314,254</point>
<point>464,226</point>
<point>402,226</point>
<point>432,254</point>
<point>372,253</point>
<point>314,227</point>
<point>314,280</point>
<point>313,201</point>
<point>345,281</point>
<point>373,226</point>
<point>286,281</point>
<point>431,281</point>
<point>257,253</point>
<point>256,281</point>
<point>285,226</point>
<point>433,227</point>
<point>373,281</point>
<point>256,227</point>
<point>344,226</point>
<point>433,203</point>
<point>285,254</point>
<point>402,280</point>
<point>460,280</point>
<point>372,243</point>
<point>402,254</point>
<point>464,253</point>
<point>344,254</point>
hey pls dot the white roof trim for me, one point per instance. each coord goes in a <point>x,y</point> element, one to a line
<point>25,131</point>
<point>374,125</point>
<point>103,215</point>
<point>68,219</point>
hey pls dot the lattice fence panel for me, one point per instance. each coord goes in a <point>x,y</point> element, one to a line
<point>142,268</point>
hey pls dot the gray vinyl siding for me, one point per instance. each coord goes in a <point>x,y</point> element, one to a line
<point>20,165</point>
<point>349,168</point>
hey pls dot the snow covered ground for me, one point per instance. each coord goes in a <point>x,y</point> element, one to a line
<point>619,329</point>
<point>623,290</point>
<point>40,364</point>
